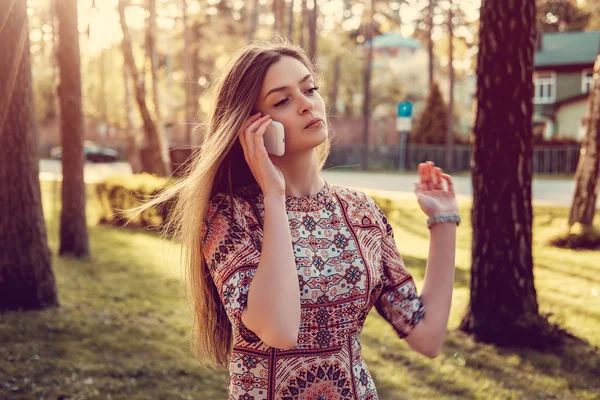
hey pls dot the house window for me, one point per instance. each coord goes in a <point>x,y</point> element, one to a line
<point>587,81</point>
<point>545,87</point>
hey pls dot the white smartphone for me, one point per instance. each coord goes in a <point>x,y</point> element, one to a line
<point>274,139</point>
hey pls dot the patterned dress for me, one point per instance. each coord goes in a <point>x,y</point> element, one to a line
<point>347,262</point>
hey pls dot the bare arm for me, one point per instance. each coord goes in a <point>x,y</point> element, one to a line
<point>273,307</point>
<point>427,337</point>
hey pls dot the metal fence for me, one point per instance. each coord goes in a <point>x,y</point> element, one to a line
<point>546,159</point>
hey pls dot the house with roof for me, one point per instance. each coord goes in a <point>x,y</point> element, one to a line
<point>563,78</point>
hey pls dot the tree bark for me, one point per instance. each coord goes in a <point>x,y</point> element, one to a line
<point>153,64</point>
<point>26,277</point>
<point>587,176</point>
<point>253,20</point>
<point>366,112</point>
<point>133,151</point>
<point>312,32</point>
<point>155,143</point>
<point>303,23</point>
<point>190,80</point>
<point>503,307</point>
<point>291,21</point>
<point>278,13</point>
<point>73,226</point>
<point>429,22</point>
<point>337,66</point>
<point>450,132</point>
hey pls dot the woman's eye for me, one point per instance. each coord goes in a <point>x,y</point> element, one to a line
<point>282,102</point>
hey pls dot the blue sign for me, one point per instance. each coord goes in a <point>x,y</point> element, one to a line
<point>405,110</point>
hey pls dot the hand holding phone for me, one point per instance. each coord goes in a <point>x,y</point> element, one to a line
<point>274,138</point>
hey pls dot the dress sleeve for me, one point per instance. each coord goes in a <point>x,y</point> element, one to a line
<point>398,303</point>
<point>232,258</point>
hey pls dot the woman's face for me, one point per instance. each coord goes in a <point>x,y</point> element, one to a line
<point>289,95</point>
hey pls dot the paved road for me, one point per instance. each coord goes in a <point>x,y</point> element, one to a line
<point>551,191</point>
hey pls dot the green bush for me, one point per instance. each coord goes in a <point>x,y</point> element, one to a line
<point>119,194</point>
<point>431,124</point>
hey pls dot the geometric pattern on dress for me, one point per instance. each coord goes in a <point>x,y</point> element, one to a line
<point>347,263</point>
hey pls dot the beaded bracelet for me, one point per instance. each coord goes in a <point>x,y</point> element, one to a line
<point>444,217</point>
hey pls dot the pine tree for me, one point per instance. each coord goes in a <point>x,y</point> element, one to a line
<point>430,127</point>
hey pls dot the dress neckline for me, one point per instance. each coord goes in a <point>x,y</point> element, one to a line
<point>312,202</point>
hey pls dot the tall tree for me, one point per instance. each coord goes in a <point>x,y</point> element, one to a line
<point>152,61</point>
<point>313,14</point>
<point>278,13</point>
<point>366,112</point>
<point>429,27</point>
<point>587,176</point>
<point>73,226</point>
<point>26,277</point>
<point>290,31</point>
<point>253,19</point>
<point>133,152</point>
<point>303,23</point>
<point>503,306</point>
<point>450,125</point>
<point>155,163</point>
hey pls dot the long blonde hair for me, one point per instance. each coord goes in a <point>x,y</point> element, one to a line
<point>234,94</point>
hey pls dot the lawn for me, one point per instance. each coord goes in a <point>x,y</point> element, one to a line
<point>122,330</point>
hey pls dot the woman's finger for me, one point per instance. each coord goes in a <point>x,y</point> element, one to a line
<point>243,138</point>
<point>438,178</point>
<point>255,124</point>
<point>421,169</point>
<point>448,180</point>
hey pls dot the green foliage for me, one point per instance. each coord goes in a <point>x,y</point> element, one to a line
<point>43,94</point>
<point>431,124</point>
<point>119,194</point>
<point>561,15</point>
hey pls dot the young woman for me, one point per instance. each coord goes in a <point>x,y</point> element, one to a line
<point>283,266</point>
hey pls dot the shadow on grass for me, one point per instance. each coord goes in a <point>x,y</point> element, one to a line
<point>121,330</point>
<point>469,370</point>
<point>418,265</point>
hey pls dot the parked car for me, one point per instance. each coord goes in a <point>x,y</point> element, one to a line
<point>93,153</point>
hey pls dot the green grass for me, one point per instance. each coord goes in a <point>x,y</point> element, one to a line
<point>121,331</point>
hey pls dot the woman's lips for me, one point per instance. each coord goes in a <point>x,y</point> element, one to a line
<point>315,124</point>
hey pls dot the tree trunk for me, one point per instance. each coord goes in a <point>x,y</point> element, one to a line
<point>153,63</point>
<point>429,22</point>
<point>337,65</point>
<point>73,226</point>
<point>196,90</point>
<point>190,80</point>
<point>450,132</point>
<point>587,176</point>
<point>154,142</point>
<point>291,21</point>
<point>253,20</point>
<point>312,32</point>
<point>133,151</point>
<point>278,13</point>
<point>303,23</point>
<point>366,112</point>
<point>503,307</point>
<point>26,277</point>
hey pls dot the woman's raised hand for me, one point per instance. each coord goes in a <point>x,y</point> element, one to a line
<point>267,175</point>
<point>433,197</point>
